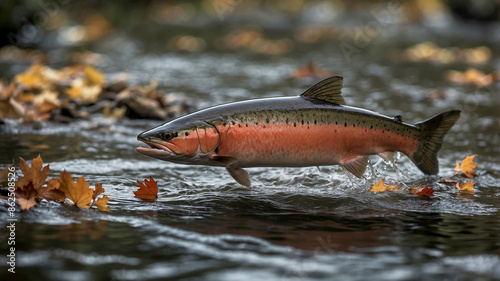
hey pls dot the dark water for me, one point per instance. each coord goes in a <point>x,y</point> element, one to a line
<point>292,224</point>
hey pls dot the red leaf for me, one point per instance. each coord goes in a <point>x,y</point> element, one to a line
<point>149,190</point>
<point>422,191</point>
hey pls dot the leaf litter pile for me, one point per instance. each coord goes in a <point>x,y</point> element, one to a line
<point>62,95</point>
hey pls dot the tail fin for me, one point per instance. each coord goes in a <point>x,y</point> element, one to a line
<point>432,132</point>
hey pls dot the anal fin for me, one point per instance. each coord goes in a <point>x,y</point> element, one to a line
<point>239,175</point>
<point>356,166</point>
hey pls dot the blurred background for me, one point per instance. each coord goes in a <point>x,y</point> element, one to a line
<point>58,28</point>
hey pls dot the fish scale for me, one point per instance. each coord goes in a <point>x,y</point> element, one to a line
<point>313,129</point>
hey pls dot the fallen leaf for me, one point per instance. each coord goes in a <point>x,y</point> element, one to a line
<point>87,93</point>
<point>78,192</point>
<point>10,108</point>
<point>47,96</point>
<point>101,203</point>
<point>467,166</point>
<point>34,174</point>
<point>445,181</point>
<point>6,91</point>
<point>31,77</point>
<point>116,113</point>
<point>97,191</point>
<point>93,76</point>
<point>471,76</point>
<point>468,186</point>
<point>51,191</point>
<point>381,187</point>
<point>149,190</point>
<point>43,111</point>
<point>26,197</point>
<point>422,191</point>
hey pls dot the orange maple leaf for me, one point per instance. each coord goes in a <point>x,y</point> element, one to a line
<point>78,192</point>
<point>422,191</point>
<point>51,191</point>
<point>468,186</point>
<point>147,191</point>
<point>36,174</point>
<point>381,187</point>
<point>101,202</point>
<point>467,166</point>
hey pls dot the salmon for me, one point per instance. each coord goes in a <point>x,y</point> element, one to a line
<point>315,128</point>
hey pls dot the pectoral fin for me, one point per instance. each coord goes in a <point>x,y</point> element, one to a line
<point>231,164</point>
<point>239,175</point>
<point>225,160</point>
<point>387,156</point>
<point>357,166</point>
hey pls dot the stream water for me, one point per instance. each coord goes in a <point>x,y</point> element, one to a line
<point>293,223</point>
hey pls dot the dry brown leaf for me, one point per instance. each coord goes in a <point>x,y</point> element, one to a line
<point>87,93</point>
<point>51,191</point>
<point>101,203</point>
<point>6,91</point>
<point>26,197</point>
<point>93,76</point>
<point>78,192</point>
<point>34,174</point>
<point>47,96</point>
<point>467,187</point>
<point>422,191</point>
<point>31,77</point>
<point>149,190</point>
<point>467,166</point>
<point>97,191</point>
<point>10,108</point>
<point>381,187</point>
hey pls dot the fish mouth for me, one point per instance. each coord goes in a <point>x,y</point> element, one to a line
<point>154,149</point>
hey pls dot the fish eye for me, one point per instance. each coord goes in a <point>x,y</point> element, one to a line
<point>166,136</point>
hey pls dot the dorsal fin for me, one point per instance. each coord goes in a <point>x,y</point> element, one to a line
<point>327,90</point>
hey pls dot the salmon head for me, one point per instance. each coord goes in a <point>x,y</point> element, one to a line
<point>180,142</point>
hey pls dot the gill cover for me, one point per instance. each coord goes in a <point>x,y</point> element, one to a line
<point>201,138</point>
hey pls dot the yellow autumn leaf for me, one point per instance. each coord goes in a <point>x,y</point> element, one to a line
<point>101,203</point>
<point>78,192</point>
<point>93,76</point>
<point>468,186</point>
<point>31,77</point>
<point>47,96</point>
<point>467,167</point>
<point>381,187</point>
<point>84,92</point>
